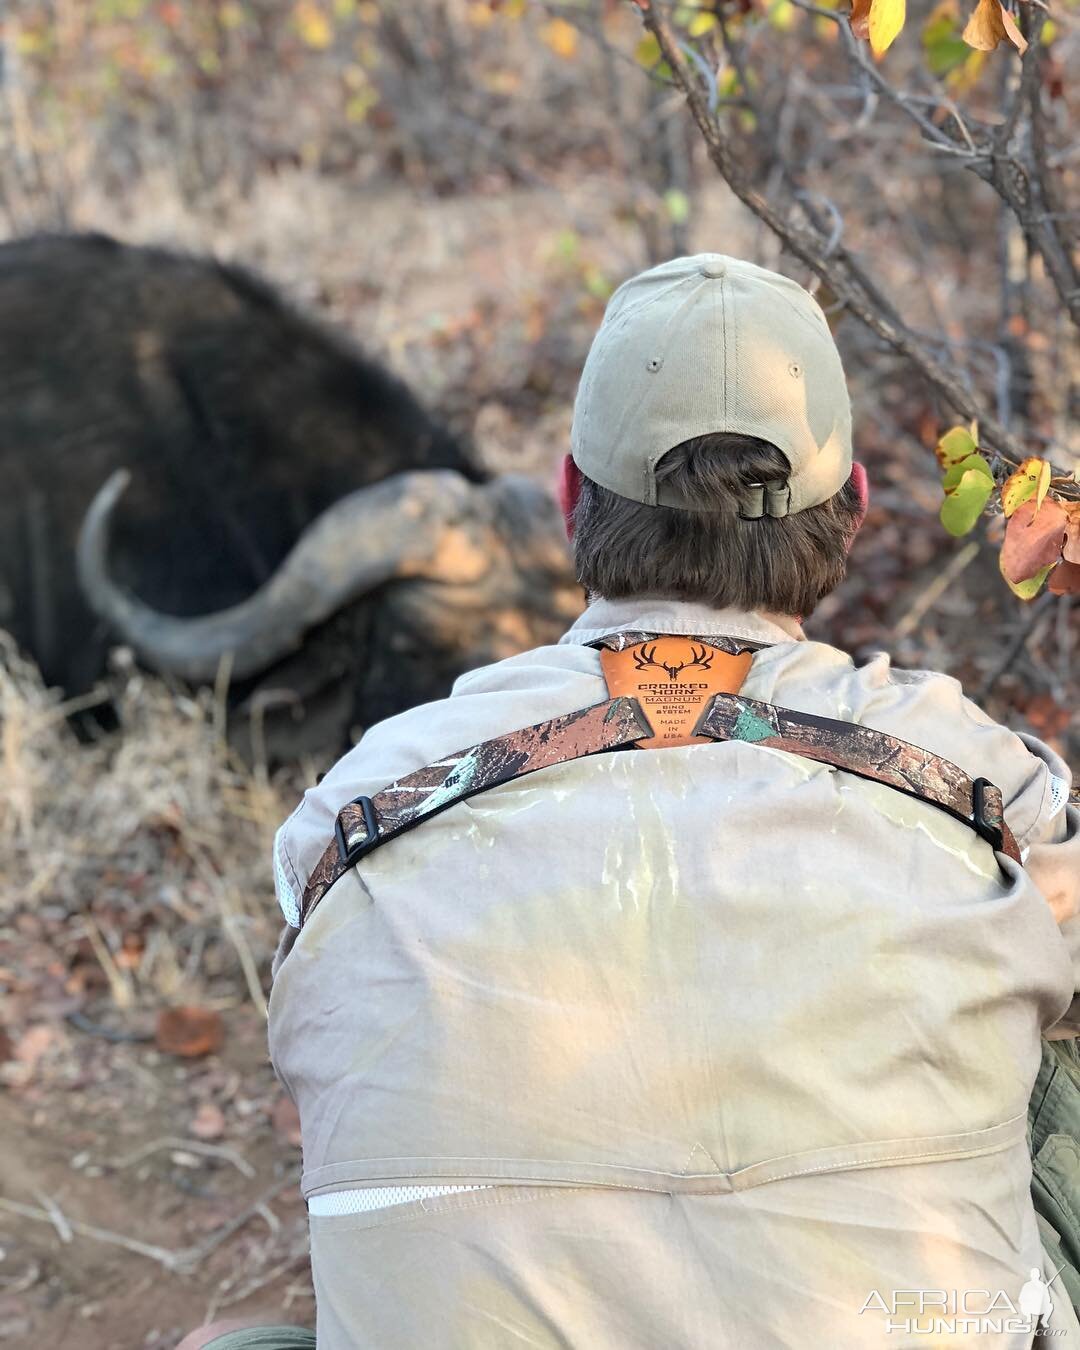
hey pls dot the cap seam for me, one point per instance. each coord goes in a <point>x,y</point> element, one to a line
<point>801,315</point>
<point>737,362</point>
<point>724,338</point>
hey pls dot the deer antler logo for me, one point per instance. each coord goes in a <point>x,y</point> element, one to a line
<point>699,656</point>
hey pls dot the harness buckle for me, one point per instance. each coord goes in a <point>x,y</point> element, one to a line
<point>351,853</point>
<point>980,818</point>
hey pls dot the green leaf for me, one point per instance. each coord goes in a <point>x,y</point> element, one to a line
<point>944,47</point>
<point>964,505</point>
<point>597,284</point>
<point>647,52</point>
<point>1028,590</point>
<point>678,206</point>
<point>954,446</point>
<point>955,472</point>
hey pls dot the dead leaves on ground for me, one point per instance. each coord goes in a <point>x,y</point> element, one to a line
<point>189,1032</point>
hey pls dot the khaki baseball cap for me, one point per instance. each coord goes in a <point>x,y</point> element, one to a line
<point>713,344</point>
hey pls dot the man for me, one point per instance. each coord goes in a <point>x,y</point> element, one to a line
<point>719,1027</point>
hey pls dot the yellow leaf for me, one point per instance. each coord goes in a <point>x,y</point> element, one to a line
<point>313,25</point>
<point>1031,479</point>
<point>782,15</point>
<point>1043,484</point>
<point>701,24</point>
<point>886,21</point>
<point>561,37</point>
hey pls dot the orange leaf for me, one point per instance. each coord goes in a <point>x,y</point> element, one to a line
<point>860,18</point>
<point>1065,579</point>
<point>1071,551</point>
<point>990,22</point>
<point>1032,541</point>
<point>1013,33</point>
<point>189,1032</point>
<point>561,37</point>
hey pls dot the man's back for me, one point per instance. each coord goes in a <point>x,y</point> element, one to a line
<point>717,1045</point>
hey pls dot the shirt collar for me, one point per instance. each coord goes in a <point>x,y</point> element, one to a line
<point>650,614</point>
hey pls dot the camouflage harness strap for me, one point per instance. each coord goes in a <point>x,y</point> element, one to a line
<point>366,822</point>
<point>618,723</point>
<point>868,754</point>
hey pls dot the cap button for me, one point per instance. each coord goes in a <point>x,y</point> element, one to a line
<point>712,267</point>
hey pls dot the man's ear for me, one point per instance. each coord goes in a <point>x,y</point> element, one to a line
<point>861,484</point>
<point>569,490</point>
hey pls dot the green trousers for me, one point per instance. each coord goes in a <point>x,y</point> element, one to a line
<point>1054,1139</point>
<point>265,1338</point>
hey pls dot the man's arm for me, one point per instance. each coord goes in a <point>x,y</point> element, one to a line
<point>1052,860</point>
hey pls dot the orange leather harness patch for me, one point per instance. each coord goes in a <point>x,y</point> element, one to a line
<point>673,678</point>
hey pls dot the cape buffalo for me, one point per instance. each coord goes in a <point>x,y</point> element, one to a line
<point>234,426</point>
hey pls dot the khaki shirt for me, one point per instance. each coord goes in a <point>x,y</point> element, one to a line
<point>734,1048</point>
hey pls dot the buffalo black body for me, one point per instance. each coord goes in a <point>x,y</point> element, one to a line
<point>239,418</point>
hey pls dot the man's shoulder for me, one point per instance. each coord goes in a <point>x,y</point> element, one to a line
<point>927,708</point>
<point>490,701</point>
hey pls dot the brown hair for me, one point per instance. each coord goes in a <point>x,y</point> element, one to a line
<point>712,555</point>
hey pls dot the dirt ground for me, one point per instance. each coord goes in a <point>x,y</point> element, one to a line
<point>141,1189</point>
<point>169,1228</point>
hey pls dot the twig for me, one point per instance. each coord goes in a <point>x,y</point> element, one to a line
<point>56,1217</point>
<point>119,984</point>
<point>188,1145</point>
<point>182,1261</point>
<point>171,1260</point>
<point>937,588</point>
<point>112,1034</point>
<point>1019,642</point>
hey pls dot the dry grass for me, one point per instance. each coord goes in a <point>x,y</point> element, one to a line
<point>153,833</point>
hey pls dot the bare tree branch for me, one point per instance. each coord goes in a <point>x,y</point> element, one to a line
<point>840,270</point>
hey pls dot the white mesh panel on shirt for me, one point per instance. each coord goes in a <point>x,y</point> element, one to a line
<point>1059,793</point>
<point>286,899</point>
<point>378,1197</point>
